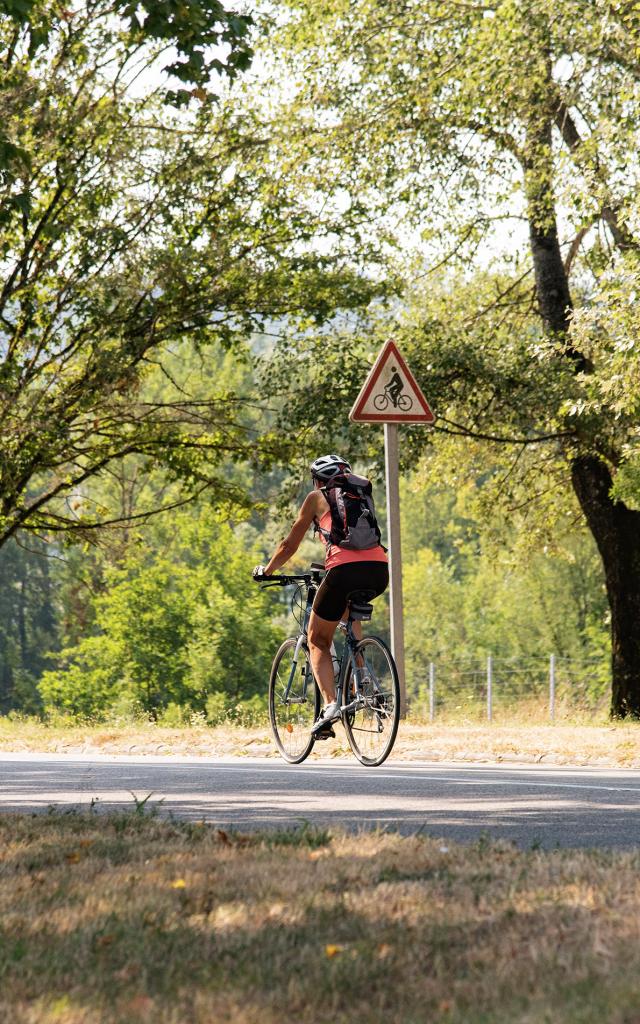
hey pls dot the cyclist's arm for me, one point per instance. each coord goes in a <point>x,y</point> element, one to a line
<point>291,543</point>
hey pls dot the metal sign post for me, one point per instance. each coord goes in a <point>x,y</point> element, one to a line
<point>391,395</point>
<point>395,556</point>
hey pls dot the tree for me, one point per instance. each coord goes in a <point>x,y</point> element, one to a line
<point>476,584</point>
<point>458,119</point>
<point>176,625</point>
<point>28,624</point>
<point>127,228</point>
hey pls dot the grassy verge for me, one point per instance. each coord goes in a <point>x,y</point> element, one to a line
<point>128,918</point>
<point>512,739</point>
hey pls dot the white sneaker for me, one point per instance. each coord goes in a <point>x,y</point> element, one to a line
<point>330,713</point>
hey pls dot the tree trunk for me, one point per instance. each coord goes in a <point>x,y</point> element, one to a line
<point>616,530</point>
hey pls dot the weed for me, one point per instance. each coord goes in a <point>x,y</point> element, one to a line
<point>303,835</point>
<point>141,805</point>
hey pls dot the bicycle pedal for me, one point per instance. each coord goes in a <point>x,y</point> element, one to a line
<point>325,734</point>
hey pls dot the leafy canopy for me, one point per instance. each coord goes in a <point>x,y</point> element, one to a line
<point>126,230</point>
<point>475,135</point>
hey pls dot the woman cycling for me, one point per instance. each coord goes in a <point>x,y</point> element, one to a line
<point>347,570</point>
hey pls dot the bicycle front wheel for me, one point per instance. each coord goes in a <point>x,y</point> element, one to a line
<point>371,726</point>
<point>294,702</point>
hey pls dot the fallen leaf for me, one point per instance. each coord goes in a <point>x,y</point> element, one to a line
<point>179,884</point>
<point>332,950</point>
<point>72,858</point>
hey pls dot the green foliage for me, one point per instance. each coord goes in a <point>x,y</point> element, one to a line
<point>220,710</point>
<point>490,584</point>
<point>450,125</point>
<point>28,623</point>
<point>193,27</point>
<point>127,232</point>
<point>177,624</point>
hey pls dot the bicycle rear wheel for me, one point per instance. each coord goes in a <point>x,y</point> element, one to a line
<point>371,727</point>
<point>292,714</point>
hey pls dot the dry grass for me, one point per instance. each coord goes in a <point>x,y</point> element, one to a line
<point>614,744</point>
<point>110,919</point>
<point>510,739</point>
<point>138,738</point>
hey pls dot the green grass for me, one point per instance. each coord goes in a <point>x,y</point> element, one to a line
<point>119,919</point>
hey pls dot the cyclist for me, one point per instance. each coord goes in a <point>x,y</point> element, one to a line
<point>395,386</point>
<point>346,571</point>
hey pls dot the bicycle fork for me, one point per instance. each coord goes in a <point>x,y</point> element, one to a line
<point>286,697</point>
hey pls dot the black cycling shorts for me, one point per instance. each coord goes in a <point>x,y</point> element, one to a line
<point>331,600</point>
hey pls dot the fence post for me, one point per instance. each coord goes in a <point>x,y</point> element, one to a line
<point>552,687</point>
<point>432,691</point>
<point>489,688</point>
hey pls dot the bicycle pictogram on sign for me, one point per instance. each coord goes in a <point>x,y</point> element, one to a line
<point>393,393</point>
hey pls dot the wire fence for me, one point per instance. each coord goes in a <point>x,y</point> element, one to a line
<point>487,688</point>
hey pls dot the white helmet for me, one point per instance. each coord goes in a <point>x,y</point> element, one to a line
<point>328,466</point>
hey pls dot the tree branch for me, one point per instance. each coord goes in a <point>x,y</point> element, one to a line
<point>462,431</point>
<point>575,144</point>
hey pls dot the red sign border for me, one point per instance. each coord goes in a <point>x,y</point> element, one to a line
<point>372,380</point>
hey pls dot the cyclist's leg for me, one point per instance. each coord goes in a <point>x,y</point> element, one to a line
<point>320,635</point>
<point>328,606</point>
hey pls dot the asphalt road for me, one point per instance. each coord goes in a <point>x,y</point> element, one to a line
<point>532,805</point>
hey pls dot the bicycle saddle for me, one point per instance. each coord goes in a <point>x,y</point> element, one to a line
<point>360,608</point>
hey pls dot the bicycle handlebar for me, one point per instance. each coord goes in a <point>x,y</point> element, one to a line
<point>283,581</point>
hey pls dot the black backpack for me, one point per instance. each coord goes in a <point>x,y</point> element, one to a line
<point>353,517</point>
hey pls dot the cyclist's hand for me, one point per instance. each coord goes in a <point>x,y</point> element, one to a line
<point>259,573</point>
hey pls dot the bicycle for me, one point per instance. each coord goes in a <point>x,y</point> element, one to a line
<point>367,679</point>
<point>403,402</point>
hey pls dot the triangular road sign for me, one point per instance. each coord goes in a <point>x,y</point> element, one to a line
<point>391,393</point>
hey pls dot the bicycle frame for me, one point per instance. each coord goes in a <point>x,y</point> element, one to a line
<point>348,657</point>
<point>349,660</point>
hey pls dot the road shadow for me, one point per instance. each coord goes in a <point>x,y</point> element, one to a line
<point>462,807</point>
